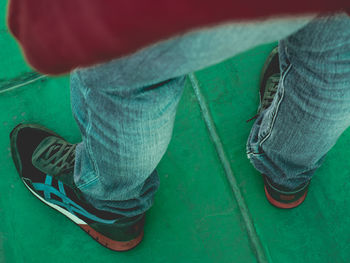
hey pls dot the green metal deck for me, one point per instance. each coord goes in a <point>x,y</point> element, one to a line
<point>211,205</point>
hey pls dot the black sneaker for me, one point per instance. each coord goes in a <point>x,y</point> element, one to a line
<point>277,195</point>
<point>283,197</point>
<point>270,77</point>
<point>45,163</point>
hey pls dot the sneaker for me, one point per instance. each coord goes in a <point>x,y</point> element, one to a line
<point>45,163</point>
<point>269,79</point>
<point>283,197</point>
<point>277,195</point>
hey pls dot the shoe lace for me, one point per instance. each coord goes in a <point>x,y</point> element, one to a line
<point>269,93</point>
<point>59,156</point>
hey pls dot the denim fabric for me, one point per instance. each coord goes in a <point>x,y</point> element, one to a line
<point>311,109</point>
<point>126,108</point>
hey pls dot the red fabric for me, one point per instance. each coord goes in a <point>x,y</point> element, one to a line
<point>58,36</point>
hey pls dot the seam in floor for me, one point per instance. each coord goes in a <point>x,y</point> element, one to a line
<point>33,77</point>
<point>253,236</point>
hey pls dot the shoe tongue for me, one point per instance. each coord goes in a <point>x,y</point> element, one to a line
<point>41,163</point>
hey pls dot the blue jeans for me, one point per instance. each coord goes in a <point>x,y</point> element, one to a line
<point>311,109</point>
<point>126,108</point>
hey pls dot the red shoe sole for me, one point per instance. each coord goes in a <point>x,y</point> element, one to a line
<point>284,205</point>
<point>110,243</point>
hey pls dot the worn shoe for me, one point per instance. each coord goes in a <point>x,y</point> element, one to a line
<point>277,195</point>
<point>270,77</point>
<point>283,197</point>
<point>45,163</point>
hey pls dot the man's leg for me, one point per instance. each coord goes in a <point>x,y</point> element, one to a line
<point>125,134</point>
<point>311,108</point>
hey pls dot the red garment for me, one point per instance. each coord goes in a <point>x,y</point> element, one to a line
<point>58,36</point>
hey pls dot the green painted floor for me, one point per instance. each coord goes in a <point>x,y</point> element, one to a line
<point>211,205</point>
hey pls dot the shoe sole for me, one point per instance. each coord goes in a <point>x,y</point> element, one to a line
<point>101,239</point>
<point>284,205</point>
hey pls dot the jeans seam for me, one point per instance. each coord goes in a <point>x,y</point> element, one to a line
<point>86,93</point>
<point>277,108</point>
<point>86,184</point>
<point>88,145</point>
